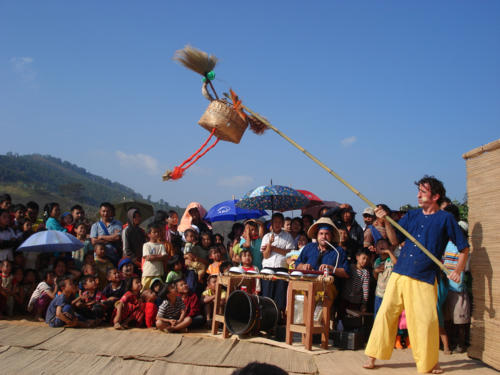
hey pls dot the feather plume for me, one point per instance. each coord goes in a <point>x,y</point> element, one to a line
<point>257,126</point>
<point>195,60</point>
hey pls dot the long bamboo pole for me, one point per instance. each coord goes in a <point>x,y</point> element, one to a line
<point>350,187</point>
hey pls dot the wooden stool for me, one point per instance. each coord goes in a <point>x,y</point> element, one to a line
<point>231,282</point>
<point>309,289</point>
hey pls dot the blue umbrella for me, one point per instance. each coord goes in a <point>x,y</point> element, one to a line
<point>50,241</point>
<point>229,211</point>
<point>273,197</point>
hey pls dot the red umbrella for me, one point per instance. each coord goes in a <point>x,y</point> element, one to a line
<point>313,198</point>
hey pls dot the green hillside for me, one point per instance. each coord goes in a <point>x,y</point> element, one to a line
<point>44,178</point>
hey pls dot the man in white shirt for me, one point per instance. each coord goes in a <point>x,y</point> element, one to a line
<point>275,246</point>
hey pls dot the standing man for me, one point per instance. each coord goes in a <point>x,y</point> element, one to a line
<point>412,285</point>
<point>368,217</point>
<point>275,246</point>
<point>108,231</point>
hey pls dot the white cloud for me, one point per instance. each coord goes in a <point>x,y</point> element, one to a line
<point>346,142</point>
<point>235,181</point>
<point>138,161</point>
<point>23,66</point>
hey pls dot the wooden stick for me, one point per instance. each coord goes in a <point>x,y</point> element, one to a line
<point>350,187</point>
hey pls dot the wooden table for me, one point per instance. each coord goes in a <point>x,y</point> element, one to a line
<point>309,288</point>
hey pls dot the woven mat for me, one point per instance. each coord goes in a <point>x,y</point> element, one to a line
<point>26,336</point>
<point>127,344</point>
<point>202,351</point>
<point>22,361</point>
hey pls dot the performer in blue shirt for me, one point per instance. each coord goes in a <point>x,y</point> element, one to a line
<point>412,285</point>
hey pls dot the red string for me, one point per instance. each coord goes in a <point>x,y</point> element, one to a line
<point>178,171</point>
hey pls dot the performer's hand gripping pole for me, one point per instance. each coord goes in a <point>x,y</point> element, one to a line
<point>350,187</point>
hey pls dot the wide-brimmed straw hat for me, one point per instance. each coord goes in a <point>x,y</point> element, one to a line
<point>324,222</point>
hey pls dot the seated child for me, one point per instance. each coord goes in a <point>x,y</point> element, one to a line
<point>29,285</point>
<point>192,303</point>
<point>60,313</point>
<point>116,287</point>
<point>172,312</point>
<point>42,296</point>
<point>129,309</point>
<point>126,268</point>
<point>150,308</point>
<point>215,255</point>
<point>247,265</point>
<point>90,304</point>
<point>174,266</point>
<point>102,264</point>
<point>208,298</point>
<point>293,255</point>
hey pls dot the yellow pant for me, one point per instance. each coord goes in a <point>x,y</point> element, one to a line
<point>146,282</point>
<point>418,299</point>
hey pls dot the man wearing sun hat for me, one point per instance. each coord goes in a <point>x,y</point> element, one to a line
<point>320,255</point>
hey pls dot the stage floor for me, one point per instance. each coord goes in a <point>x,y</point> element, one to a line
<point>33,348</point>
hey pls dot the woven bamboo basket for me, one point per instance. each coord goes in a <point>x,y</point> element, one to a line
<point>483,195</point>
<point>229,126</point>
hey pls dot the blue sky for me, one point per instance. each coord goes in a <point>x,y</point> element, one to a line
<point>382,92</point>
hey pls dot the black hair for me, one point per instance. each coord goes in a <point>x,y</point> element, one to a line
<point>62,281</point>
<point>155,226</point>
<point>257,368</point>
<point>5,198</point>
<point>160,215</point>
<point>80,222</point>
<point>129,282</point>
<point>2,210</point>
<point>190,230</point>
<point>86,278</point>
<point>299,220</point>
<point>278,214</point>
<point>76,207</point>
<point>232,234</point>
<point>308,216</point>
<point>447,200</point>
<point>107,205</point>
<point>214,248</point>
<point>435,185</point>
<point>172,212</point>
<point>17,207</point>
<point>47,273</point>
<point>174,260</point>
<point>225,264</point>
<point>288,218</point>
<point>32,205</point>
<point>47,209</point>
<point>212,276</point>
<point>109,270</point>
<point>362,251</point>
<point>246,250</point>
<point>453,209</point>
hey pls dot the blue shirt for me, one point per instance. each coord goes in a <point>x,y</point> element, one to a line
<point>53,224</point>
<point>433,231</point>
<point>310,254</point>
<point>59,300</point>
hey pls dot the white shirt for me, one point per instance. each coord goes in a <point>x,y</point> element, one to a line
<point>282,240</point>
<point>155,267</point>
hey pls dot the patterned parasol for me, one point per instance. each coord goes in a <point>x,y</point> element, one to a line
<point>273,197</point>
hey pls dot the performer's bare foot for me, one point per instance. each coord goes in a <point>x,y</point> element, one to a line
<point>370,363</point>
<point>436,370</point>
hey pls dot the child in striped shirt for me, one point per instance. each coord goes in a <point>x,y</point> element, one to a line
<point>171,315</point>
<point>355,293</point>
